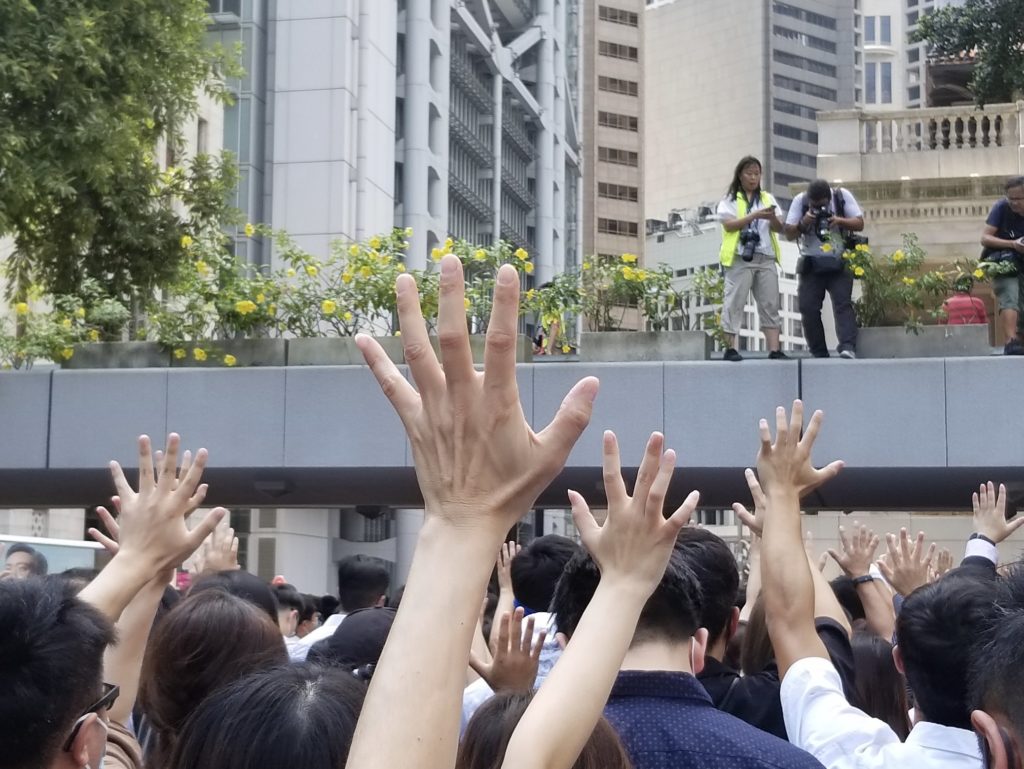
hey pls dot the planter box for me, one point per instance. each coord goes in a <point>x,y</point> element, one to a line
<point>118,355</point>
<point>337,351</point>
<point>930,342</point>
<point>247,352</point>
<point>477,343</point>
<point>644,346</point>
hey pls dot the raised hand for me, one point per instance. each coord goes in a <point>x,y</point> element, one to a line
<point>478,462</point>
<point>785,466</point>
<point>858,551</point>
<point>516,655</point>
<point>910,564</point>
<point>990,513</point>
<point>507,552</point>
<point>943,562</point>
<point>219,551</point>
<point>755,521</point>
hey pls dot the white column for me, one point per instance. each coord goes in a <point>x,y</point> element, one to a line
<point>496,132</point>
<point>407,529</point>
<point>419,30</point>
<point>546,75</point>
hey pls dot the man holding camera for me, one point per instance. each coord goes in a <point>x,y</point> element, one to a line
<point>824,221</point>
<point>1003,241</point>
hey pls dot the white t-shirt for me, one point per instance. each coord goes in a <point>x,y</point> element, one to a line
<point>808,241</point>
<point>727,212</point>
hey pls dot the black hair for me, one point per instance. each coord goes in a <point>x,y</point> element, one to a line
<point>51,666</point>
<point>535,571</point>
<point>328,605</point>
<point>78,577</point>
<point>671,613</point>
<point>38,566</point>
<point>846,593</point>
<point>737,183</point>
<point>963,284</point>
<point>819,189</point>
<point>361,582</point>
<point>936,630</point>
<point>1013,182</point>
<point>242,584</point>
<point>298,715</point>
<point>880,690</point>
<point>288,598</point>
<point>715,567</point>
<point>310,606</point>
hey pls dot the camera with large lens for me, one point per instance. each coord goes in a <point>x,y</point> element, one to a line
<point>749,240</point>
<point>822,227</point>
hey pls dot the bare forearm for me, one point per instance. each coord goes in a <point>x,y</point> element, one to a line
<point>998,244</point>
<point>116,586</point>
<point>825,602</point>
<point>753,580</point>
<point>792,231</point>
<point>122,663</point>
<point>878,609</point>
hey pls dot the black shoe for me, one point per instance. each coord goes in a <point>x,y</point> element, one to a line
<point>1013,347</point>
<point>777,355</point>
<point>821,354</point>
<point>732,355</point>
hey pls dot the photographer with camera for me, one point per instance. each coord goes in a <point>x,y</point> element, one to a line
<point>825,220</point>
<point>1003,241</point>
<point>750,252</point>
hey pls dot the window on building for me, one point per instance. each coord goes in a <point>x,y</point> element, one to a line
<point>618,51</point>
<point>618,16</point>
<point>914,55</point>
<point>785,9</point>
<point>617,227</point>
<point>869,29</point>
<point>798,158</point>
<point>886,82</point>
<point>617,156</point>
<point>870,82</point>
<point>202,136</point>
<point>617,120</point>
<point>792,132</point>
<point>913,76</point>
<point>615,85</point>
<point>790,108</point>
<point>784,180</point>
<point>914,93</point>
<point>801,86</point>
<point>885,30</point>
<point>912,19</point>
<point>810,41</point>
<point>224,6</point>
<point>802,62</point>
<point>618,191</point>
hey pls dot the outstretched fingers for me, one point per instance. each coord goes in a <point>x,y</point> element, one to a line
<point>572,419</point>
<point>452,330</point>
<point>611,466</point>
<point>502,333</point>
<point>403,396</point>
<point>205,528</point>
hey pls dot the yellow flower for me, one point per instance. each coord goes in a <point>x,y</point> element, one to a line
<point>401,268</point>
<point>353,250</point>
<point>448,243</point>
<point>347,316</point>
<point>346,277</point>
<point>586,265</point>
<point>180,353</point>
<point>230,360</point>
<point>522,254</point>
<point>67,352</point>
<point>66,323</point>
<point>365,272</point>
<point>826,247</point>
<point>271,309</point>
<point>909,281</point>
<point>566,349</point>
<point>405,244</point>
<point>466,303</point>
<point>528,268</point>
<point>94,335</point>
<point>290,272</point>
<point>245,306</point>
<point>628,272</point>
<point>311,271</point>
<point>897,256</point>
<point>375,242</point>
<point>530,294</point>
<point>260,298</point>
<point>199,353</point>
<point>398,333</point>
<point>202,267</point>
<point>249,230</point>
<point>80,312</point>
<point>861,247</point>
<point>186,241</point>
<point>629,258</point>
<point>858,271</point>
<point>328,307</point>
<point>408,232</point>
<point>479,254</point>
<point>979,273</point>
<point>436,254</point>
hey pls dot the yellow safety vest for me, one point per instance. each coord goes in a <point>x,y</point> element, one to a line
<point>731,240</point>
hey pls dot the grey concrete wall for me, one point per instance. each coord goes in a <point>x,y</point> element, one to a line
<point>913,433</point>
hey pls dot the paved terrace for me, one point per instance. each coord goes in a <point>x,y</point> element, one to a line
<point>915,433</point>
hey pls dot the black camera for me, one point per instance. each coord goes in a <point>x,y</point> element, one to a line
<point>822,223</point>
<point>749,240</point>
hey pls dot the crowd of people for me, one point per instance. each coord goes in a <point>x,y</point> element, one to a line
<point>640,647</point>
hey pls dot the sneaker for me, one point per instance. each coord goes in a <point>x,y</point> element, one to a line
<point>732,354</point>
<point>1013,347</point>
<point>777,355</point>
<point>848,354</point>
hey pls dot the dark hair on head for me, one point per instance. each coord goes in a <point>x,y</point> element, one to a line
<point>672,612</point>
<point>297,715</point>
<point>937,630</point>
<point>489,730</point>
<point>1013,182</point>
<point>287,597</point>
<point>715,567</point>
<point>846,593</point>
<point>362,581</point>
<point>328,605</point>
<point>51,666</point>
<point>737,183</point>
<point>964,284</point>
<point>879,688</point>
<point>310,606</point>
<point>996,676</point>
<point>535,571</point>
<point>756,651</point>
<point>396,598</point>
<point>239,583</point>
<point>78,577</point>
<point>819,189</point>
<point>210,639</point>
<point>38,566</point>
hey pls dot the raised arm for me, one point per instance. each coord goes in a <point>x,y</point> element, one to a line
<point>856,559</point>
<point>631,549</point>
<point>506,598</point>
<point>480,468</point>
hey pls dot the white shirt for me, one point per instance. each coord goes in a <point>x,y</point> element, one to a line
<point>297,652</point>
<point>821,721</point>
<point>727,211</point>
<point>808,241</point>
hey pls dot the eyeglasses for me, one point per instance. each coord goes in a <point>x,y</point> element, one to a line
<point>110,692</point>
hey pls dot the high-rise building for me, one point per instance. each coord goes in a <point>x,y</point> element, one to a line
<point>730,78</point>
<point>613,81</point>
<point>454,118</point>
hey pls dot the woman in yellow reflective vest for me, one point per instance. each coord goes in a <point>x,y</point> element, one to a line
<point>750,254</point>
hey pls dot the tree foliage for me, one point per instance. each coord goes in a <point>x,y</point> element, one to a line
<point>993,30</point>
<point>87,87</point>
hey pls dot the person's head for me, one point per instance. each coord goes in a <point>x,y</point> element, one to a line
<point>78,577</point>
<point>746,177</point>
<point>535,571</point>
<point>362,583</point>
<point>328,605</point>
<point>309,617</point>
<point>242,584</point>
<point>289,606</point>
<point>997,678</point>
<point>51,675</point>
<point>671,616</point>
<point>880,690</point>
<point>846,593</point>
<point>489,730</point>
<point>756,650</point>
<point>936,631</point>
<point>964,284</point>
<point>24,561</point>
<point>210,639</point>
<point>715,567</point>
<point>297,715</point>
<point>818,193</point>
<point>357,643</point>
<point>1015,194</point>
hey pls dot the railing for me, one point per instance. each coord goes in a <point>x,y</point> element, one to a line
<point>468,138</point>
<point>465,79</point>
<point>948,128</point>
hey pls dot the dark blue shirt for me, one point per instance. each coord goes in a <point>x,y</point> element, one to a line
<point>1009,226</point>
<point>667,721</point>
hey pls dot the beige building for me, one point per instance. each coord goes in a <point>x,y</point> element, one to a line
<point>613,88</point>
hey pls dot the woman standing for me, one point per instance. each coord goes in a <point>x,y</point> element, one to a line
<point>750,254</point>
